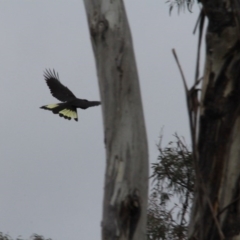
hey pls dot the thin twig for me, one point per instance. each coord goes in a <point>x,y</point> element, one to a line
<point>192,130</point>
<point>221,235</point>
<point>225,208</point>
<point>201,26</point>
<point>185,204</point>
<point>197,22</point>
<point>180,69</point>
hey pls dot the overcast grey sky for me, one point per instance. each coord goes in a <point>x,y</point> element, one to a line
<point>52,170</point>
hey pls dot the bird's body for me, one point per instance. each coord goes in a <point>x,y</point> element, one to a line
<point>67,109</point>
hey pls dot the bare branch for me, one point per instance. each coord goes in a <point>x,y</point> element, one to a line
<point>201,27</point>
<point>181,71</point>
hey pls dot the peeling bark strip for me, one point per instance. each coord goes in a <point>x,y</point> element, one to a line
<point>219,133</point>
<point>126,178</point>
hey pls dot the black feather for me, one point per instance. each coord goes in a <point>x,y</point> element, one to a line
<point>58,90</point>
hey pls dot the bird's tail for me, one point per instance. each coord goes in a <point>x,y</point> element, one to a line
<point>63,109</point>
<point>94,103</point>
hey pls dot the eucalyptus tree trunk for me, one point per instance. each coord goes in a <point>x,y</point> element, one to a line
<point>126,178</point>
<point>216,208</point>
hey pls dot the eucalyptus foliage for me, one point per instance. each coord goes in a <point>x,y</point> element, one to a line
<point>172,192</point>
<point>33,237</point>
<point>180,4</point>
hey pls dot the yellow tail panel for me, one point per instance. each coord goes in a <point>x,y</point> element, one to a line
<point>51,106</point>
<point>69,114</point>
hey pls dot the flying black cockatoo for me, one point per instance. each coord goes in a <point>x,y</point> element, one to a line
<point>67,109</point>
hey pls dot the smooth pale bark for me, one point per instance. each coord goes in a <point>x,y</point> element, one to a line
<point>219,133</point>
<point>126,178</point>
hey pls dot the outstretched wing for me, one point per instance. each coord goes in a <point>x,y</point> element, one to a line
<point>58,90</point>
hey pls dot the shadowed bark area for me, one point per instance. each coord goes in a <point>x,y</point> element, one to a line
<point>126,178</point>
<point>219,134</point>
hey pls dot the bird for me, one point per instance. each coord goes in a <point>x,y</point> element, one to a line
<point>68,108</point>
